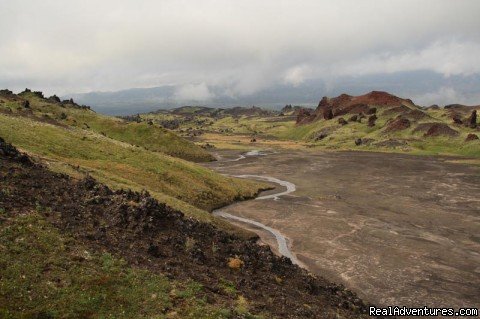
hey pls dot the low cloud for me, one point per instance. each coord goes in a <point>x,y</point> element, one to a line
<point>447,95</point>
<point>193,92</point>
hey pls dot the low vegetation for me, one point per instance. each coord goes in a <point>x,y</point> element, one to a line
<point>393,128</point>
<point>143,134</point>
<point>45,274</point>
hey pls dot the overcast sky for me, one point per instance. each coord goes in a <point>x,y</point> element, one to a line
<point>242,46</point>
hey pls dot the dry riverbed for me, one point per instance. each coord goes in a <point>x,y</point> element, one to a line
<point>397,229</point>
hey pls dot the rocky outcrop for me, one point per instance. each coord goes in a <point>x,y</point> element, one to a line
<point>369,104</point>
<point>287,109</point>
<point>457,119</point>
<point>440,129</point>
<point>472,120</point>
<point>471,137</point>
<point>398,124</point>
<point>304,116</point>
<point>54,99</point>
<point>10,152</point>
<point>371,120</point>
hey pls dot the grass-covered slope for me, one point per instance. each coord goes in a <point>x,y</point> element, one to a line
<point>398,126</point>
<point>380,138</point>
<point>151,137</point>
<point>122,165</point>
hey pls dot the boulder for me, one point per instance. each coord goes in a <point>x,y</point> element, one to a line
<point>54,99</point>
<point>6,92</point>
<point>371,120</point>
<point>471,137</point>
<point>353,118</point>
<point>342,121</point>
<point>363,141</point>
<point>320,136</point>
<point>398,124</point>
<point>456,118</point>
<point>472,120</point>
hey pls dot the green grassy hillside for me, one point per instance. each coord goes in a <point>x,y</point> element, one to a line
<point>121,164</point>
<point>380,139</point>
<point>151,137</point>
<point>331,135</point>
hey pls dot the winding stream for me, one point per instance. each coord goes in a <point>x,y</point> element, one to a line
<point>282,241</point>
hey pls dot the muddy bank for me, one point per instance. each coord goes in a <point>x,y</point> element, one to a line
<point>151,235</point>
<point>397,229</point>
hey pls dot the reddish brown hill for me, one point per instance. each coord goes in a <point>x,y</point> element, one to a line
<point>329,108</point>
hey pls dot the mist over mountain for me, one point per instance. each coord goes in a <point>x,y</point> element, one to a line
<point>423,87</point>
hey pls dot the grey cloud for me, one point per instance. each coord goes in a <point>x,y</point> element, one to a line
<point>242,47</point>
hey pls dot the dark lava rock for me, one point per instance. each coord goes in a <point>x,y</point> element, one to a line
<point>54,99</point>
<point>342,121</point>
<point>471,137</point>
<point>363,141</point>
<point>304,116</point>
<point>371,120</point>
<point>457,119</point>
<point>472,120</point>
<point>320,136</point>
<point>327,114</point>
<point>353,118</point>
<point>440,129</point>
<point>371,111</point>
<point>6,92</point>
<point>287,108</point>
<point>9,151</point>
<point>398,124</point>
<point>26,104</point>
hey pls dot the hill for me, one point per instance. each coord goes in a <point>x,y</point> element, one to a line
<point>77,249</point>
<point>68,113</point>
<point>376,121</point>
<point>67,145</point>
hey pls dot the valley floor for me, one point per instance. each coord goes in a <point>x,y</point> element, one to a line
<point>397,229</point>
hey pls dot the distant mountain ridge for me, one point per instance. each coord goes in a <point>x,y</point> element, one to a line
<point>424,87</point>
